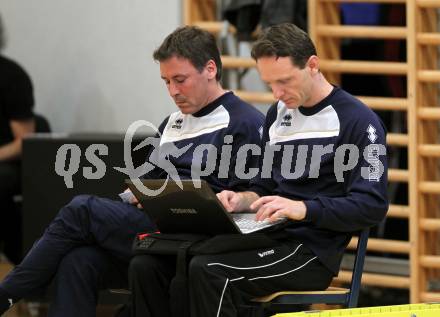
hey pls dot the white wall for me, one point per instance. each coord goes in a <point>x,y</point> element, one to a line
<point>90,60</point>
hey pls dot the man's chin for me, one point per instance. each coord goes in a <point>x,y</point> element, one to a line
<point>185,109</point>
<point>291,105</point>
<point>181,105</point>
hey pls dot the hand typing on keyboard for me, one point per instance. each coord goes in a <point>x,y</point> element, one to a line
<point>234,202</point>
<point>275,207</point>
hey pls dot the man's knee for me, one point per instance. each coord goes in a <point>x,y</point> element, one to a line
<point>80,202</point>
<point>78,207</point>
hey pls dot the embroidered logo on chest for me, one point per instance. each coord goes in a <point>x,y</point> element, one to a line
<point>287,120</point>
<point>177,124</point>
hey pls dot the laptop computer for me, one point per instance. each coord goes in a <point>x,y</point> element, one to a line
<point>194,209</point>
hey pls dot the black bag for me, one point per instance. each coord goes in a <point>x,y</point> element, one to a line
<point>169,244</point>
<point>183,245</point>
<point>163,243</point>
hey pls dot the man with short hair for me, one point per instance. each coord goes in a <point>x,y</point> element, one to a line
<point>335,185</point>
<point>324,170</point>
<point>88,245</point>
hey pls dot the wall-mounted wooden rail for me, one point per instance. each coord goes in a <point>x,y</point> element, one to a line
<point>371,32</point>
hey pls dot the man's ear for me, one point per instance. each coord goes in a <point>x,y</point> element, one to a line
<point>313,64</point>
<point>211,69</point>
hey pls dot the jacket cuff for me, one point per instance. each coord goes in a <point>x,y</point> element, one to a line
<point>313,212</point>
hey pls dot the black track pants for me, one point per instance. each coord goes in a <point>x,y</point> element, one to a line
<point>220,284</point>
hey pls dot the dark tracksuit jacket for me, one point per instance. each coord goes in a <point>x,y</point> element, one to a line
<point>332,156</point>
<point>88,245</point>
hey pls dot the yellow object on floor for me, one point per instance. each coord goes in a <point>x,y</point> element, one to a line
<point>411,310</point>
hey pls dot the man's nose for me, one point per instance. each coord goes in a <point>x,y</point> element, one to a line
<point>277,92</point>
<point>173,90</point>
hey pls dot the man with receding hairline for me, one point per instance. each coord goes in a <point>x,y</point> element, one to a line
<point>87,247</point>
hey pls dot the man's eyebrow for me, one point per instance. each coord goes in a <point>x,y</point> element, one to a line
<point>267,82</point>
<point>284,78</point>
<point>175,76</point>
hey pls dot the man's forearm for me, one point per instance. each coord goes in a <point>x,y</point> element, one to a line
<point>20,129</point>
<point>10,150</point>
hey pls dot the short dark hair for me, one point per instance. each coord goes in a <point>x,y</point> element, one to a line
<point>284,40</point>
<point>190,42</point>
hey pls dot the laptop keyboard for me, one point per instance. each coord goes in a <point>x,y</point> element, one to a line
<point>247,223</point>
